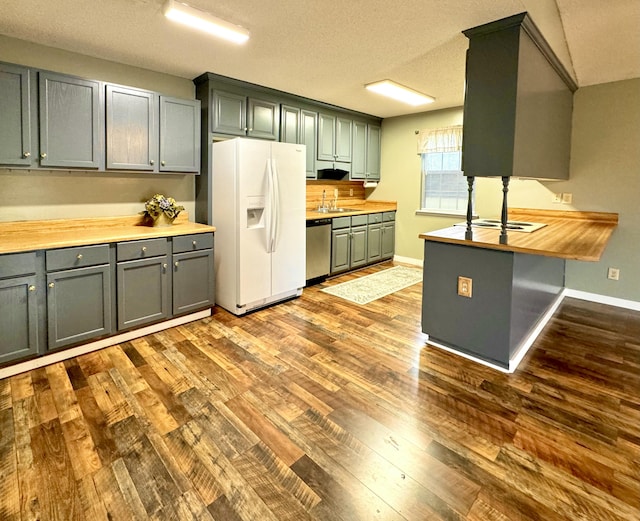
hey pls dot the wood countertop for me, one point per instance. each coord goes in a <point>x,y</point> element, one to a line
<point>359,207</point>
<point>60,233</point>
<point>568,235</point>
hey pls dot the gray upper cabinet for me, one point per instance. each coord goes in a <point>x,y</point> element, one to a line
<point>132,135</point>
<point>239,115</point>
<point>262,119</point>
<point>15,122</point>
<point>365,163</point>
<point>71,122</point>
<point>289,124</point>
<point>229,113</point>
<point>179,135</point>
<point>334,142</point>
<point>301,127</point>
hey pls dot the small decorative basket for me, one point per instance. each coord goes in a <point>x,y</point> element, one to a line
<point>162,210</point>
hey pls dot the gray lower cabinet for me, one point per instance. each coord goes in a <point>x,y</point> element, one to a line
<point>348,243</point>
<point>193,275</point>
<point>78,294</point>
<point>179,135</point>
<point>71,121</point>
<point>15,123</point>
<point>143,285</point>
<point>19,321</point>
<point>374,237</point>
<point>388,241</point>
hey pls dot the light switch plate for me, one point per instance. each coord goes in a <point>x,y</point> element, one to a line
<point>465,287</point>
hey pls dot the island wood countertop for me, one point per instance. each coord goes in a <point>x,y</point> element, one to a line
<point>20,236</point>
<point>359,207</point>
<point>568,235</point>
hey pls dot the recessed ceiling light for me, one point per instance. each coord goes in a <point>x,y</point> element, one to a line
<point>203,21</point>
<point>399,92</point>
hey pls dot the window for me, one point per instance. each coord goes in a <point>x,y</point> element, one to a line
<point>444,187</point>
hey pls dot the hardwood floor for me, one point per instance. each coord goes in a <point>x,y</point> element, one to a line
<point>321,409</point>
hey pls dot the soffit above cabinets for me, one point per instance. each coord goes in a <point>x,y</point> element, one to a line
<point>329,50</point>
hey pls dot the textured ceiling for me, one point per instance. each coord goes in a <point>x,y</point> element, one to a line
<point>328,49</point>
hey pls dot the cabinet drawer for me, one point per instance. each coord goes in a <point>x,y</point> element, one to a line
<point>17,264</point>
<point>197,241</point>
<point>80,257</point>
<point>358,220</point>
<point>375,218</point>
<point>143,249</point>
<point>389,216</point>
<point>340,222</point>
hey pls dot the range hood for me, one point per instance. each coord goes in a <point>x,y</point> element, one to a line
<point>518,103</point>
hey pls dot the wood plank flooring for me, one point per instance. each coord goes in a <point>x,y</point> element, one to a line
<point>318,409</point>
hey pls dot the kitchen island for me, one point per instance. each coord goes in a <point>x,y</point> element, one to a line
<point>488,301</point>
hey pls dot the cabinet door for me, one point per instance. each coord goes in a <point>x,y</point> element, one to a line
<point>193,281</point>
<point>308,136</point>
<point>131,129</point>
<point>340,250</point>
<point>263,119</point>
<point>373,152</point>
<point>70,121</point>
<point>388,240</point>
<point>19,318</point>
<point>359,157</point>
<point>143,292</point>
<point>374,243</point>
<point>78,305</point>
<point>289,124</point>
<point>326,137</point>
<point>15,122</point>
<point>343,140</point>
<point>358,246</point>
<point>229,113</point>
<point>179,135</point>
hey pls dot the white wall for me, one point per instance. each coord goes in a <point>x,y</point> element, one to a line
<point>604,176</point>
<point>31,194</point>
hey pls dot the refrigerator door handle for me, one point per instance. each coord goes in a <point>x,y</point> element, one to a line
<point>276,205</point>
<point>270,205</point>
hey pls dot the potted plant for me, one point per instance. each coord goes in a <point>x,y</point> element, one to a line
<point>162,210</point>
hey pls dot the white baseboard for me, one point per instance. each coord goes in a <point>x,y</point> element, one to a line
<point>408,260</point>
<point>603,299</point>
<point>65,354</point>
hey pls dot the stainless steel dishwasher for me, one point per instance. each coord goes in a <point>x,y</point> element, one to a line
<point>318,249</point>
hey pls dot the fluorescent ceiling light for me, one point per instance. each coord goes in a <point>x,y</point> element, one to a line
<point>203,21</point>
<point>398,92</point>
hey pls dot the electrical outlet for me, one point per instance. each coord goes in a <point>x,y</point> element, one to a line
<point>350,192</point>
<point>613,274</point>
<point>465,286</point>
<point>567,198</point>
<point>556,198</point>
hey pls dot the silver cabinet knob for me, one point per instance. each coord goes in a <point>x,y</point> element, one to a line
<point>79,256</point>
<point>43,155</point>
<point>164,266</point>
<point>52,284</point>
<point>162,163</point>
<point>245,129</point>
<point>26,154</point>
<point>144,248</point>
<point>151,162</point>
<point>32,288</point>
<point>195,243</point>
<point>176,264</point>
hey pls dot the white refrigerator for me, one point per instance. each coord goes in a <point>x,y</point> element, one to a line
<point>259,214</point>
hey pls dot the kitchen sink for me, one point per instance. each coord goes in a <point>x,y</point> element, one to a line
<point>337,210</point>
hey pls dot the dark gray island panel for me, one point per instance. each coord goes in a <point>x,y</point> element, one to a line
<point>511,293</point>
